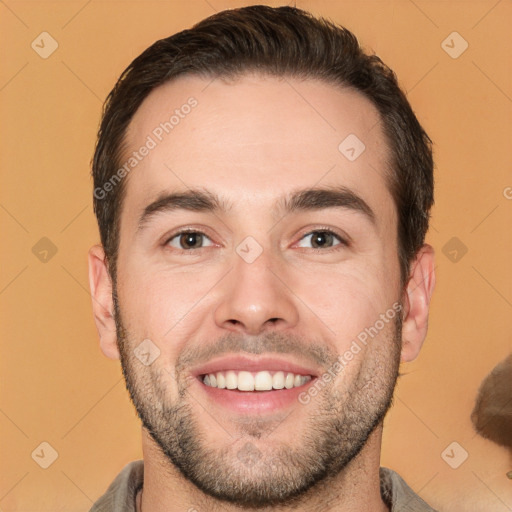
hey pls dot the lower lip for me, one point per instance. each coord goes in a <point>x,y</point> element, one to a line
<point>254,401</point>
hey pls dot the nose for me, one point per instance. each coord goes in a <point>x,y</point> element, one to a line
<point>254,297</point>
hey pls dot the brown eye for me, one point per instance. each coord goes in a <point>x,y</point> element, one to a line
<point>321,239</point>
<point>187,240</point>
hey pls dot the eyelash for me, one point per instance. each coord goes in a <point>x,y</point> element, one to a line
<point>343,242</point>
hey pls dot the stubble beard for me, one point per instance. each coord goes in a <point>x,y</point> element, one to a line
<point>249,473</point>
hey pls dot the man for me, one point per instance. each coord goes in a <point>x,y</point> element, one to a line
<point>263,190</point>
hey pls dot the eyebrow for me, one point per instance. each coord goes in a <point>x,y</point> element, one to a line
<point>312,199</point>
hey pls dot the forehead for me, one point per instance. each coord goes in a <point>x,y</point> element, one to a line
<point>252,139</point>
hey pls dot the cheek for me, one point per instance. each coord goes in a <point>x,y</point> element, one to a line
<point>347,300</point>
<point>369,361</point>
<point>163,305</point>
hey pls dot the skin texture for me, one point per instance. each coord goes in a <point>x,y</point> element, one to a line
<point>253,141</point>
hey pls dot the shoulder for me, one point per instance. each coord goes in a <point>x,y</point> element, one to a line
<point>120,495</point>
<point>398,495</point>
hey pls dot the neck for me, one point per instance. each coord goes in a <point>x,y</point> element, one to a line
<point>356,488</point>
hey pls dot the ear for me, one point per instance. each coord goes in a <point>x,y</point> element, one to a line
<point>102,303</point>
<point>417,295</point>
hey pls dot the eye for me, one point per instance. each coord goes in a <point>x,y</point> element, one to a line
<point>321,239</point>
<point>187,240</point>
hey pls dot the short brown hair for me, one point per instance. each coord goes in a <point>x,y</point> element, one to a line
<point>282,41</point>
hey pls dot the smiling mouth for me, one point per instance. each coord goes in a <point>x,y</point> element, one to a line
<point>265,380</point>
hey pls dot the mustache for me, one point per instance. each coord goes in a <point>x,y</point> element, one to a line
<point>270,342</point>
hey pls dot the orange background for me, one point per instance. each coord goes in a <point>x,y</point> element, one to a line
<point>57,387</point>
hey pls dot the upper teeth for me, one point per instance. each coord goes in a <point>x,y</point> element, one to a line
<point>250,381</point>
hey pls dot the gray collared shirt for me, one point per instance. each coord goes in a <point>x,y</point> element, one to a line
<point>121,495</point>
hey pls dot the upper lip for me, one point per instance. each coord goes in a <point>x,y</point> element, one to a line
<point>255,364</point>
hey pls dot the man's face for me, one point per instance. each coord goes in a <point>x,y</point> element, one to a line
<point>257,289</point>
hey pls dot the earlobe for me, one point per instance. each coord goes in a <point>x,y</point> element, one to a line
<point>416,302</point>
<point>102,305</point>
